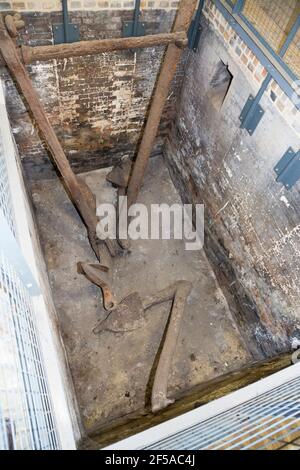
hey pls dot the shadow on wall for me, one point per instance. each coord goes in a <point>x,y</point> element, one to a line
<point>220,85</point>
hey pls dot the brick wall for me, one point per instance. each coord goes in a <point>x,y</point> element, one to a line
<point>252,222</point>
<point>97,104</point>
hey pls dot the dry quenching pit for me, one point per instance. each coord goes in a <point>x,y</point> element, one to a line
<point>175,328</point>
<point>80,193</point>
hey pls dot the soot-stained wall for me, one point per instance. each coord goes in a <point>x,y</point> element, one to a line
<point>252,222</point>
<point>97,104</point>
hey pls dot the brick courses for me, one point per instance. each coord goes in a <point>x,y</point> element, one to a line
<point>97,104</point>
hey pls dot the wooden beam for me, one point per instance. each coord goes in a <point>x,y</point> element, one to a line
<point>167,73</point>
<point>78,190</point>
<point>140,420</point>
<point>82,48</point>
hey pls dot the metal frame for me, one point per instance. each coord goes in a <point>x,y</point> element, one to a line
<point>65,32</point>
<point>175,428</point>
<point>288,41</point>
<point>134,28</point>
<point>237,9</point>
<point>239,5</point>
<point>290,37</point>
<point>288,168</point>
<point>252,113</point>
<point>195,28</point>
<point>273,62</point>
<point>40,311</point>
<point>23,379</point>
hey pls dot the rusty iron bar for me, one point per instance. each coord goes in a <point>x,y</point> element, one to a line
<point>178,293</point>
<point>167,73</point>
<point>129,315</point>
<point>79,192</point>
<point>96,273</point>
<point>82,48</point>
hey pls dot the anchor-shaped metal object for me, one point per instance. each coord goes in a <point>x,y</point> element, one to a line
<point>129,315</point>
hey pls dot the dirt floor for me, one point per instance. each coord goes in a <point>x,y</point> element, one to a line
<point>111,371</point>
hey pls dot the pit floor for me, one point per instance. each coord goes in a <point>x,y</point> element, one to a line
<point>111,371</point>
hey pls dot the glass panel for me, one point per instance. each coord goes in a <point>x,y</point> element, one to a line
<point>273,19</point>
<point>292,56</point>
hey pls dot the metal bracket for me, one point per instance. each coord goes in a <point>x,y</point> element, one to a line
<point>251,115</point>
<point>195,29</point>
<point>134,28</point>
<point>65,32</point>
<point>194,35</point>
<point>59,33</point>
<point>130,27</point>
<point>288,168</point>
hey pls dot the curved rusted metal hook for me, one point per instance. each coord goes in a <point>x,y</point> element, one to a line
<point>92,272</point>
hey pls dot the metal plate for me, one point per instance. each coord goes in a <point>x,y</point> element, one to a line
<point>288,168</point>
<point>127,31</point>
<point>195,29</point>
<point>194,35</point>
<point>59,33</point>
<point>286,159</point>
<point>257,115</point>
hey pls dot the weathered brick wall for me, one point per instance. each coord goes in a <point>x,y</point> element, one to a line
<point>97,104</point>
<point>252,222</point>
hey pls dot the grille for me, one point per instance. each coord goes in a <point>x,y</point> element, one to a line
<point>25,410</point>
<point>26,418</point>
<point>5,195</point>
<point>269,421</point>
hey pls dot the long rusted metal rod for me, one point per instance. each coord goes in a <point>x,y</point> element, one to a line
<point>167,73</point>
<point>79,192</point>
<point>97,275</point>
<point>82,48</point>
